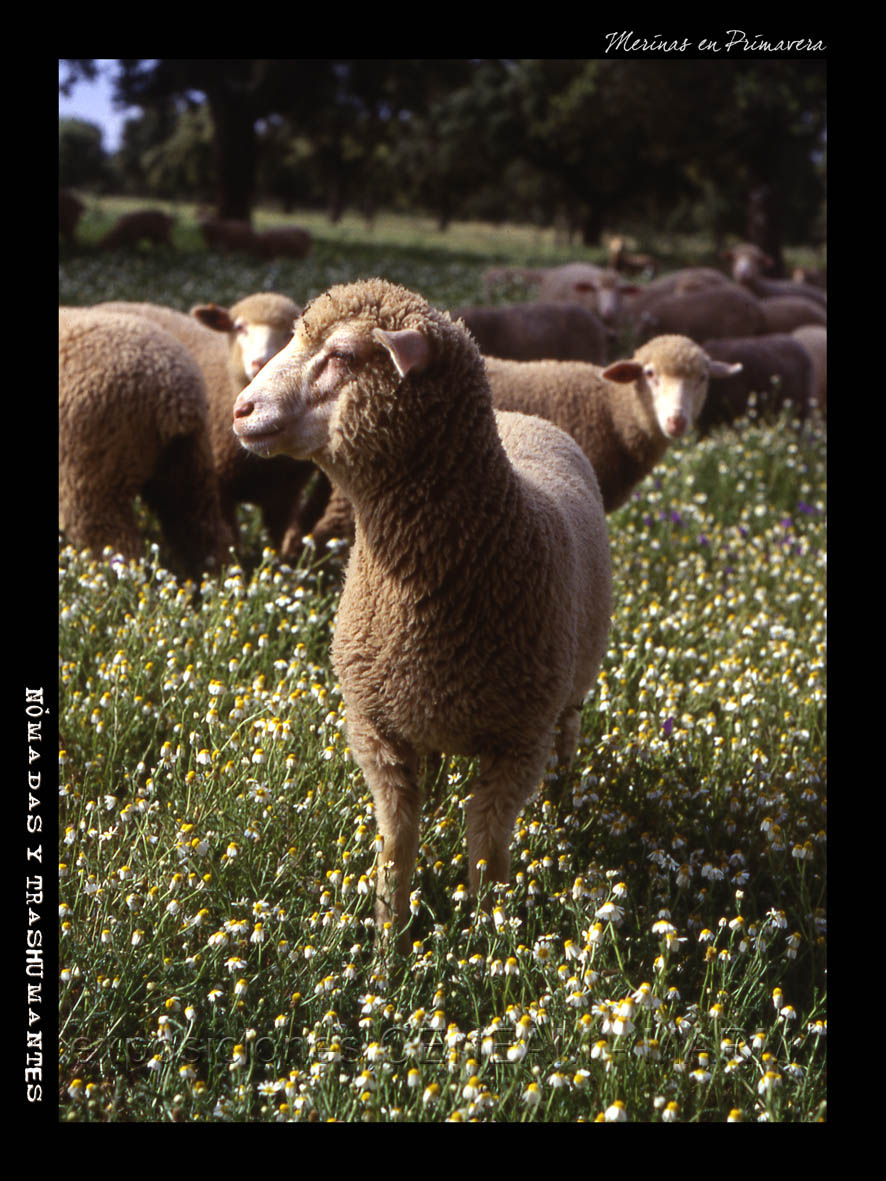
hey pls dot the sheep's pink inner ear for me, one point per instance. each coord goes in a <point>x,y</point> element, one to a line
<point>623,371</point>
<point>212,316</point>
<point>408,348</point>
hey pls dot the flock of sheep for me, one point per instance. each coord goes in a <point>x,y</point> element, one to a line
<point>470,458</point>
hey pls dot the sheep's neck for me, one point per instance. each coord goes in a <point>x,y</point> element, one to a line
<point>425,523</point>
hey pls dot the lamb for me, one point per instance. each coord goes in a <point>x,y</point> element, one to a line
<point>722,310</point>
<point>749,264</point>
<point>623,417</point>
<point>471,625</point>
<point>775,367</point>
<point>70,210</point>
<point>532,331</point>
<point>784,313</point>
<point>133,421</point>
<point>143,225</point>
<point>230,346</point>
<point>814,338</point>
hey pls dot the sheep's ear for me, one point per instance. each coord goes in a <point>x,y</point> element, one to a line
<point>725,368</point>
<point>623,371</point>
<point>212,316</point>
<point>409,349</point>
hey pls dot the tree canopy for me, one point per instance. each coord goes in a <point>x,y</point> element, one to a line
<point>738,145</point>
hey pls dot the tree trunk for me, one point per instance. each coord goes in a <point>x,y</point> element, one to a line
<point>763,227</point>
<point>235,154</point>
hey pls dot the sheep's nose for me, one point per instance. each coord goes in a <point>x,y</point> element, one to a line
<point>243,407</point>
<point>677,425</point>
<point>256,365</point>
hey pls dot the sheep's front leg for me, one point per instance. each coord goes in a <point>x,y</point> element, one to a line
<point>501,789</point>
<point>391,772</point>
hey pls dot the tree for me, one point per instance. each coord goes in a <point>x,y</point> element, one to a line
<point>82,159</point>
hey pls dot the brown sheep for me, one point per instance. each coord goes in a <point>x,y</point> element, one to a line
<point>133,422</point>
<point>775,367</point>
<point>145,225</point>
<point>468,624</point>
<point>230,346</point>
<point>749,266</point>
<point>719,310</point>
<point>533,331</point>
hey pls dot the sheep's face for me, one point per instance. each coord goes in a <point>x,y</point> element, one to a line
<point>671,375</point>
<point>310,398</point>
<point>748,262</point>
<point>289,407</point>
<point>255,344</point>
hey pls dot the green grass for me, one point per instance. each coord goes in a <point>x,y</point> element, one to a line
<point>218,956</point>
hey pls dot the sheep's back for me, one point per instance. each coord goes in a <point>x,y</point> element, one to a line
<point>559,480</point>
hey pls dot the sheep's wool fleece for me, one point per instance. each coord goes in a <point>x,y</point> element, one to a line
<point>477,599</point>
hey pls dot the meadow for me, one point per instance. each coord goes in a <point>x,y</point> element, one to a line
<point>660,953</point>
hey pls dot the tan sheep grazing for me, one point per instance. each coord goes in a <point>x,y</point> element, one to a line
<point>230,346</point>
<point>283,242</point>
<point>533,331</point>
<point>133,421</point>
<point>223,234</point>
<point>145,225</point>
<point>623,417</point>
<point>476,606</point>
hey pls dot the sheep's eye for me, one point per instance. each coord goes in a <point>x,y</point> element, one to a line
<point>339,355</point>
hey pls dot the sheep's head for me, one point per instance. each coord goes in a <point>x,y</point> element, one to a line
<point>258,327</point>
<point>368,368</point>
<point>671,374</point>
<point>748,261</point>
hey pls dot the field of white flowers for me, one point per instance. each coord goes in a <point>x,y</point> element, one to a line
<point>660,952</point>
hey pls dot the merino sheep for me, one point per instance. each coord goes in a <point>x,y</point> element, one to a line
<point>70,210</point>
<point>468,624</point>
<point>722,310</point>
<point>133,421</point>
<point>623,417</point>
<point>230,346</point>
<point>144,225</point>
<point>597,288</point>
<point>814,338</point>
<point>784,313</point>
<point>532,331</point>
<point>749,266</point>
<point>627,262</point>
<point>283,242</point>
<point>222,234</point>
<point>776,367</point>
